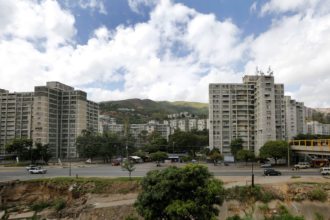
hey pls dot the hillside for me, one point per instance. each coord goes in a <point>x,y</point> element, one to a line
<point>147,109</point>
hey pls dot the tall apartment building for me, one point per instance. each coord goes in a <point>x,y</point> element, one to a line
<point>252,110</point>
<point>309,112</point>
<point>54,114</point>
<point>314,127</point>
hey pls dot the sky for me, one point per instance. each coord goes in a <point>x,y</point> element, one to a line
<point>165,49</point>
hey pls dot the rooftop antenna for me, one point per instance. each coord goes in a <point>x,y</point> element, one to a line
<point>257,71</point>
<point>270,72</point>
<point>261,73</point>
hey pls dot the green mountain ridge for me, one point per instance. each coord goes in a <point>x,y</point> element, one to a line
<point>150,109</point>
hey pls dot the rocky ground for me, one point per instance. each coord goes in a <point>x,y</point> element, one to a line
<point>113,200</point>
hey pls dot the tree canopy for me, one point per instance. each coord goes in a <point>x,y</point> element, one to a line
<point>236,145</point>
<point>22,146</point>
<point>216,156</point>
<point>158,156</point>
<point>190,192</point>
<point>245,155</point>
<point>274,149</point>
<point>128,166</point>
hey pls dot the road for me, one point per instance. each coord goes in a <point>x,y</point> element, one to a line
<point>106,170</point>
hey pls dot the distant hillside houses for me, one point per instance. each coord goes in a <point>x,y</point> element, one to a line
<point>165,129</point>
<point>126,109</point>
<point>179,115</point>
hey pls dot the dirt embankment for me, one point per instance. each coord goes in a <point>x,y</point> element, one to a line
<point>114,200</point>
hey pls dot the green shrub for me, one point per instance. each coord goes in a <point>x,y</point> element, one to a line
<point>318,216</point>
<point>40,206</point>
<point>297,199</point>
<point>59,204</point>
<point>263,208</point>
<point>17,165</point>
<point>284,210</point>
<point>318,194</point>
<point>295,177</point>
<point>266,197</point>
<point>130,217</point>
<point>234,217</point>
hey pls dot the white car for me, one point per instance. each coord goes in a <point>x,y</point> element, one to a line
<point>29,167</point>
<point>266,165</point>
<point>37,170</point>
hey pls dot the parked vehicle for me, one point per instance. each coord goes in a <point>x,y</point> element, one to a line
<point>30,166</point>
<point>320,163</point>
<point>37,170</point>
<point>302,165</point>
<point>266,165</point>
<point>324,171</point>
<point>269,172</point>
<point>116,163</point>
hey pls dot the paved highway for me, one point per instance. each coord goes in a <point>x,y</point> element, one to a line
<point>106,170</point>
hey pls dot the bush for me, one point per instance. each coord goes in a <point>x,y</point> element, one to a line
<point>59,204</point>
<point>318,216</point>
<point>284,210</point>
<point>38,207</point>
<point>266,197</point>
<point>17,165</point>
<point>263,208</point>
<point>295,177</point>
<point>129,217</point>
<point>318,194</point>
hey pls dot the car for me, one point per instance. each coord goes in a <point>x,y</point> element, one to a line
<point>116,163</point>
<point>266,165</point>
<point>302,165</point>
<point>30,166</point>
<point>269,172</point>
<point>37,170</point>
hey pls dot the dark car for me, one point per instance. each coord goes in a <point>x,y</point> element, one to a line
<point>269,172</point>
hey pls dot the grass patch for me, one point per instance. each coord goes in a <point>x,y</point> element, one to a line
<point>318,194</point>
<point>295,177</point>
<point>17,165</point>
<point>297,199</point>
<point>263,208</point>
<point>310,183</point>
<point>59,204</point>
<point>284,210</point>
<point>318,216</point>
<point>40,206</point>
<point>81,179</point>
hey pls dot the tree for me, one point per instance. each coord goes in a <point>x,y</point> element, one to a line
<point>216,157</point>
<point>152,136</point>
<point>245,155</point>
<point>186,158</point>
<point>206,151</point>
<point>88,143</point>
<point>235,146</point>
<point>158,144</point>
<point>190,192</point>
<point>274,149</point>
<point>43,151</point>
<point>214,150</point>
<point>185,142</point>
<point>158,156</point>
<point>22,146</point>
<point>139,154</point>
<point>128,166</point>
<point>107,142</point>
<point>126,126</point>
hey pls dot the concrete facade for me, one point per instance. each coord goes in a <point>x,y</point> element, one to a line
<point>314,127</point>
<point>54,114</point>
<point>255,110</point>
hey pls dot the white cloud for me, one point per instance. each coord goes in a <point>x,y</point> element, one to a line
<point>174,56</point>
<point>297,47</point>
<point>93,4</point>
<point>253,7</point>
<point>135,4</point>
<point>282,6</point>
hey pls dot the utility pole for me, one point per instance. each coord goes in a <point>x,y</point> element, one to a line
<point>289,156</point>
<point>252,176</point>
<point>70,162</point>
<point>127,152</point>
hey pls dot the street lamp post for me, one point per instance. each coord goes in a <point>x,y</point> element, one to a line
<point>252,175</point>
<point>173,147</point>
<point>289,156</point>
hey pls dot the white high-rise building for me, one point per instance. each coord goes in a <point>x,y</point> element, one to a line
<point>255,110</point>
